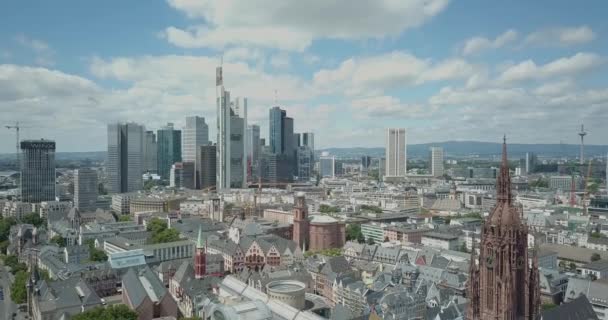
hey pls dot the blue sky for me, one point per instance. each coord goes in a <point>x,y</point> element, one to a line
<point>446,70</point>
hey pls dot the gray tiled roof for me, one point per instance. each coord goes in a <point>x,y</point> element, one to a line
<point>577,309</point>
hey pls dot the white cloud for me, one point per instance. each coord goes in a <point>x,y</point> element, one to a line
<point>44,53</point>
<point>561,36</point>
<point>396,69</point>
<point>280,60</point>
<point>478,44</point>
<point>293,24</point>
<point>569,66</point>
<point>387,107</point>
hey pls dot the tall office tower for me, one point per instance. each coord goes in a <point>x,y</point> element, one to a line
<point>327,166</point>
<point>504,285</point>
<point>276,117</point>
<point>125,157</point>
<point>297,140</point>
<point>231,124</point>
<point>150,152</point>
<point>288,138</point>
<point>531,162</point>
<point>37,170</point>
<point>196,134</point>
<point>182,175</point>
<point>206,165</point>
<point>253,147</point>
<point>169,149</point>
<point>381,168</point>
<point>308,140</point>
<point>366,161</point>
<point>395,152</point>
<point>305,163</point>
<point>85,189</point>
<point>436,161</point>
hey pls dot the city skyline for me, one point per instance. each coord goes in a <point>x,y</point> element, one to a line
<point>345,81</point>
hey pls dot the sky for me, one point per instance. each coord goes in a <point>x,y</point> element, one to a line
<point>345,70</point>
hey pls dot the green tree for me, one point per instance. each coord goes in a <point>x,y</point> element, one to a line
<point>371,241</point>
<point>353,231</point>
<point>548,306</point>
<point>94,253</point>
<point>463,247</point>
<point>124,218</point>
<point>572,266</point>
<point>113,312</point>
<point>33,219</point>
<point>160,232</point>
<point>596,257</point>
<point>12,262</point>
<point>18,289</point>
<point>374,209</point>
<point>328,209</point>
<point>5,227</point>
<point>58,240</point>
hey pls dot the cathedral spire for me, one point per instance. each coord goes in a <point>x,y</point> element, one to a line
<point>503,181</point>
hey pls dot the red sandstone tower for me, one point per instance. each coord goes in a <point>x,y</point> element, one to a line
<point>200,263</point>
<point>300,222</point>
<point>504,286</point>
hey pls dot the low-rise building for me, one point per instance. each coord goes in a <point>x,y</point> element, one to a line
<point>596,270</point>
<point>440,240</point>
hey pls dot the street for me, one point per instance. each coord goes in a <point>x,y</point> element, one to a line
<point>7,307</point>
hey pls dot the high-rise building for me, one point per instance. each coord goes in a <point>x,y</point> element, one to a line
<point>169,146</point>
<point>288,143</point>
<point>276,117</point>
<point>37,170</point>
<point>196,134</point>
<point>504,285</point>
<point>305,163</point>
<point>253,147</point>
<point>366,161</point>
<point>308,140</point>
<point>297,140</point>
<point>150,152</point>
<point>206,166</point>
<point>436,161</point>
<point>531,162</point>
<point>182,175</point>
<point>85,189</point>
<point>327,166</point>
<point>125,157</point>
<point>231,158</point>
<point>396,152</point>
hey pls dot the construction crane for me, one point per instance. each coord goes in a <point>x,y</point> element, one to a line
<point>16,127</point>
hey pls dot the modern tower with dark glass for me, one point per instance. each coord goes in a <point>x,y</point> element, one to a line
<point>37,170</point>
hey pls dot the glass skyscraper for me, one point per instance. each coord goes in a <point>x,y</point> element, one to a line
<point>169,146</point>
<point>37,170</point>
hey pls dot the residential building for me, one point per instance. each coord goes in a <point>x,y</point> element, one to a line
<point>436,161</point>
<point>125,163</point>
<point>396,158</point>
<point>144,293</point>
<point>121,203</point>
<point>85,189</point>
<point>169,149</point>
<point>37,170</point>
<point>596,269</point>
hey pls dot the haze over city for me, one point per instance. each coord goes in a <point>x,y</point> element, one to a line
<point>446,70</point>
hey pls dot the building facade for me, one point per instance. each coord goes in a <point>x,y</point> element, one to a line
<point>150,152</point>
<point>85,189</point>
<point>436,161</point>
<point>169,149</point>
<point>396,157</point>
<point>196,134</point>
<point>37,171</point>
<point>205,167</point>
<point>124,165</point>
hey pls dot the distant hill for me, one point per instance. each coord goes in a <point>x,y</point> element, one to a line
<point>483,149</point>
<point>451,148</point>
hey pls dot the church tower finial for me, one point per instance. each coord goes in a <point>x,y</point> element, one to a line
<point>503,181</point>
